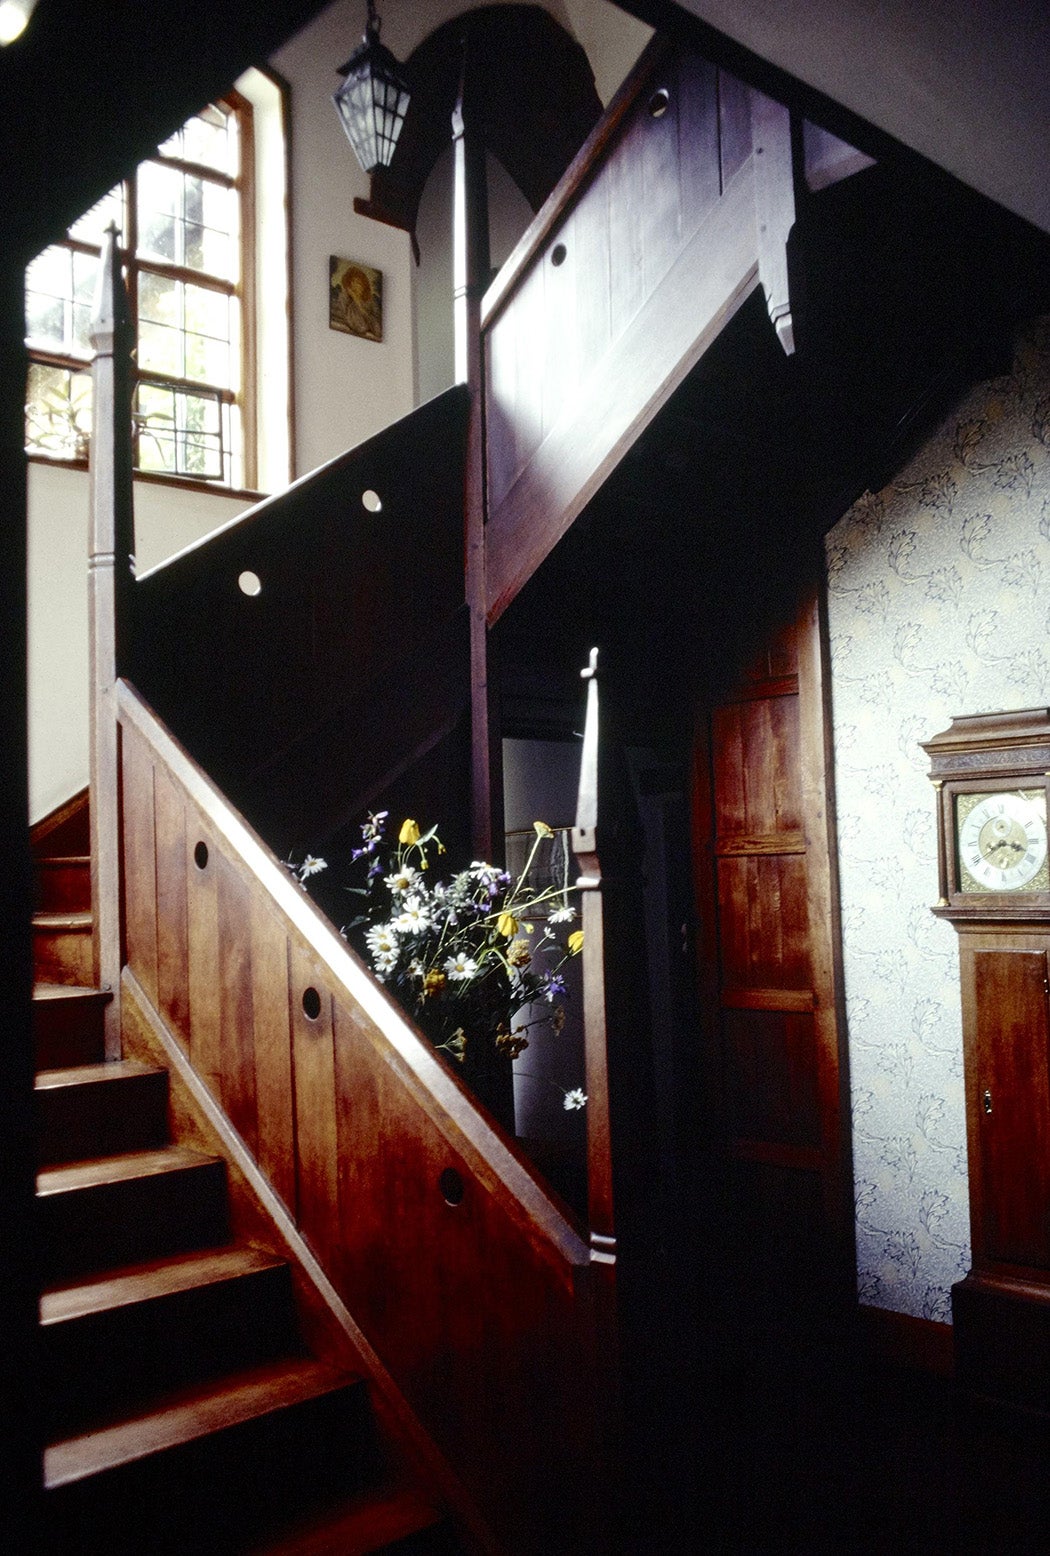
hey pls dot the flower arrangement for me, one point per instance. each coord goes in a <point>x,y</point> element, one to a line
<point>472,959</point>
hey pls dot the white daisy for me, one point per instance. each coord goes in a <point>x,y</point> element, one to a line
<point>413,918</point>
<point>460,967</point>
<point>574,1099</point>
<point>311,866</point>
<point>385,962</point>
<point>562,915</point>
<point>402,879</point>
<point>382,940</point>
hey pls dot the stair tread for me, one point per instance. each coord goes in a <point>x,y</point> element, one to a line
<point>112,1071</point>
<point>369,1521</point>
<point>159,1277</point>
<point>76,920</point>
<point>190,1414</point>
<point>43,993</point>
<point>119,1169</point>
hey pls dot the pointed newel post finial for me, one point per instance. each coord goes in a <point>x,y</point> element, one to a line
<point>583,834</point>
<point>111,316</point>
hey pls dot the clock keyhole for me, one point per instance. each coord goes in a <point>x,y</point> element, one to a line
<point>987,1100</point>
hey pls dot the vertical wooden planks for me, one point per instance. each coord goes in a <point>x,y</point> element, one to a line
<point>734,123</point>
<point>202,858</point>
<point>172,915</point>
<point>658,159</point>
<point>271,1027</point>
<point>559,372</point>
<point>699,177</point>
<point>316,1122</point>
<point>628,207</point>
<point>593,326</point>
<point>140,867</point>
<point>236,1031</point>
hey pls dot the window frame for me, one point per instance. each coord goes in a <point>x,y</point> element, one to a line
<point>241,292</point>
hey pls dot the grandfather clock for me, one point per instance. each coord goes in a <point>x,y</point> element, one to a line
<point>990,772</point>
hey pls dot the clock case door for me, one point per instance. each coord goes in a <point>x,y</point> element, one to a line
<point>984,754</point>
<point>1001,1310</point>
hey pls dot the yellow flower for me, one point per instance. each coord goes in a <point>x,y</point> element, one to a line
<point>542,829</point>
<point>409,832</point>
<point>507,925</point>
<point>433,983</point>
<point>518,954</point>
<point>575,942</point>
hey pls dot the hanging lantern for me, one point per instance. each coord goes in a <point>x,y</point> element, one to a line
<point>373,100</point>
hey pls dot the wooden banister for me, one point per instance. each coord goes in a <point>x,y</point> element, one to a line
<point>677,208</point>
<point>359,572</point>
<point>110,561</point>
<point>471,1284</point>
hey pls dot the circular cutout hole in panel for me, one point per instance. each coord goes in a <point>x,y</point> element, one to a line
<point>200,856</point>
<point>559,254</point>
<point>451,1186</point>
<point>311,1003</point>
<point>372,501</point>
<point>659,103</point>
<point>249,583</point>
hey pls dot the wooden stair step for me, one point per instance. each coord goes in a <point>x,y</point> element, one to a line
<point>100,1110</point>
<point>106,1342</point>
<point>63,883</point>
<point>117,1210</point>
<point>192,1414</point>
<point>68,1024</point>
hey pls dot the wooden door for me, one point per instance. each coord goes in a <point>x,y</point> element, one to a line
<point>771,975</point>
<point>1010,1104</point>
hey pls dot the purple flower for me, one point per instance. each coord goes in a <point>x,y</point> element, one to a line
<point>553,985</point>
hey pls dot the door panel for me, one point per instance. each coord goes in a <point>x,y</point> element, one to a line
<point>767,894</point>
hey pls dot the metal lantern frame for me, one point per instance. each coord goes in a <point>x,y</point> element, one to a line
<point>373,99</point>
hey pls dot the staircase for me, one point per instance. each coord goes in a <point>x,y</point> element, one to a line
<point>182,1411</point>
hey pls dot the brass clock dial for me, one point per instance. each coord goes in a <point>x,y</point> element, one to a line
<point>1001,840</point>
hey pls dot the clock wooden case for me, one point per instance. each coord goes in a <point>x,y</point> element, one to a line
<point>990,773</point>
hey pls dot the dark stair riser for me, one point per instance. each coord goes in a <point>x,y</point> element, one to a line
<point>222,1493</point>
<point>68,1030</point>
<point>105,1225</point>
<point>102,1117</point>
<point>63,885</point>
<point>101,1363</point>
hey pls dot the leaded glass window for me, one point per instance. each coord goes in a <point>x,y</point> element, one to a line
<point>180,217</point>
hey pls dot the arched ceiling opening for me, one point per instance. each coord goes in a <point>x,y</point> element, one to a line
<point>528,90</point>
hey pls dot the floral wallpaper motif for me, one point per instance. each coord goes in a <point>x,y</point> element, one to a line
<point>938,605</point>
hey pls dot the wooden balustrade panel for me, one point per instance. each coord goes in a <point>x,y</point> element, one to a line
<point>607,305</point>
<point>471,1285</point>
<point>347,595</point>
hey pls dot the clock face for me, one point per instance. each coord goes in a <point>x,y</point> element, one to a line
<point>1001,840</point>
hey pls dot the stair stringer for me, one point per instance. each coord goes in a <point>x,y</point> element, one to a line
<point>476,1312</point>
<point>260,1218</point>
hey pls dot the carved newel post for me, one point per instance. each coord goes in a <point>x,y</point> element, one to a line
<point>110,563</point>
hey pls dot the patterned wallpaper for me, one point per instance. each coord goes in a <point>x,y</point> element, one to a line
<point>938,605</point>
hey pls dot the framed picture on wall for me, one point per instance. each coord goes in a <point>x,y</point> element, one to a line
<point>355,298</point>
